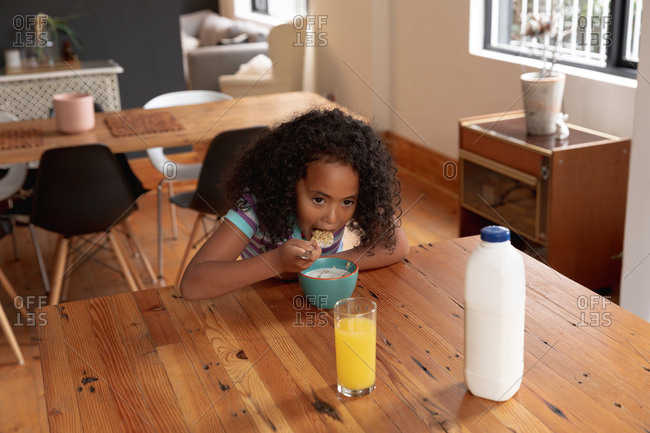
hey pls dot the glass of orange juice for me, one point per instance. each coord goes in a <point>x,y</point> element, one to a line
<point>355,334</point>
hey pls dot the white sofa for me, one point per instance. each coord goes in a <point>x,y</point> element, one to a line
<point>214,45</point>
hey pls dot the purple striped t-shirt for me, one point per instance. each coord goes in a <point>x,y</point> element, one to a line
<point>247,222</point>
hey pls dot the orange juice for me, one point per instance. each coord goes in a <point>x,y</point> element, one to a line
<point>355,352</point>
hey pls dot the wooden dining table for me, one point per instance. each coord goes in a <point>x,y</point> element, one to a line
<point>131,130</point>
<point>199,124</point>
<point>260,359</point>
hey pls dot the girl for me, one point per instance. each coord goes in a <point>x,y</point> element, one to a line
<point>322,171</point>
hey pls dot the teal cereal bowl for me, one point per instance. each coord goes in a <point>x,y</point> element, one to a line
<point>328,280</point>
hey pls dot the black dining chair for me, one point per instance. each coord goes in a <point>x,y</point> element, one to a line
<point>137,189</point>
<point>134,182</point>
<point>208,198</point>
<point>78,191</point>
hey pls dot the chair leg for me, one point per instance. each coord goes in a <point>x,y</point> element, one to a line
<point>66,277</point>
<point>134,272</point>
<point>132,267</point>
<point>143,257</point>
<point>14,241</point>
<point>39,259</point>
<point>195,228</point>
<point>11,337</point>
<point>60,259</point>
<point>172,211</point>
<point>11,292</point>
<point>160,239</point>
<point>119,254</point>
<point>65,290</point>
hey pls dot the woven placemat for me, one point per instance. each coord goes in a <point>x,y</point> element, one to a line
<point>142,123</point>
<point>21,138</point>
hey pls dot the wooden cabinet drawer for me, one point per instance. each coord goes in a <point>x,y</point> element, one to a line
<point>497,150</point>
<point>504,195</point>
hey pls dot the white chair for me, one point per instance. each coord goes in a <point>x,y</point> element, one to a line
<point>13,179</point>
<point>164,165</point>
<point>12,183</point>
<point>287,52</point>
<point>15,174</point>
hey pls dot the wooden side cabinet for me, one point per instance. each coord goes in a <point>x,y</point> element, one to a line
<point>564,201</point>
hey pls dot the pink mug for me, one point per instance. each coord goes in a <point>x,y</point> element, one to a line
<point>74,112</point>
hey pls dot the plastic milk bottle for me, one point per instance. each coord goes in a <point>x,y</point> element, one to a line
<point>495,297</point>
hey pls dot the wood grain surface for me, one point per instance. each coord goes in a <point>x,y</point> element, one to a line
<point>200,124</point>
<point>259,359</point>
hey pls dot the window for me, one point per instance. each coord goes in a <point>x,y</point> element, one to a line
<point>596,34</point>
<point>260,6</point>
<point>284,10</point>
<point>633,31</point>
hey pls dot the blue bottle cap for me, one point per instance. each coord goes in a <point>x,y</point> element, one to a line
<point>495,234</point>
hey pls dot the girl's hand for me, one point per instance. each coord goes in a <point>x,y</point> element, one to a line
<point>291,253</point>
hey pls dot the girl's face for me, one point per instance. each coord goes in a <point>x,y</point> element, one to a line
<point>327,197</point>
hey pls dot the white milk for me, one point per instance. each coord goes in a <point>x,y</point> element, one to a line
<point>327,273</point>
<point>495,297</point>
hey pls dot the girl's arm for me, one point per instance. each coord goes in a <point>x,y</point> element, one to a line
<point>215,270</point>
<point>380,257</point>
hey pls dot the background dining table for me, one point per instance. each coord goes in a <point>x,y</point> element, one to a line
<point>196,125</point>
<point>260,359</point>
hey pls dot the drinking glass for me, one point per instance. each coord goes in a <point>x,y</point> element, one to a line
<point>355,334</point>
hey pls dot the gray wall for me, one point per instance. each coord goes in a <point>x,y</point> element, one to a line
<point>141,35</point>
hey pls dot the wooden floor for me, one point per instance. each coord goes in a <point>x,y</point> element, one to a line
<point>429,215</point>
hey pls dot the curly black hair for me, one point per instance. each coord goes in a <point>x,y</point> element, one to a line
<point>271,167</point>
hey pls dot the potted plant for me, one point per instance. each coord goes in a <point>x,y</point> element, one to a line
<point>543,91</point>
<point>50,51</point>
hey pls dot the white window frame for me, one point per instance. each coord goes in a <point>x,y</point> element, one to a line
<point>582,38</point>
<point>280,11</point>
<point>477,48</point>
<point>633,35</point>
